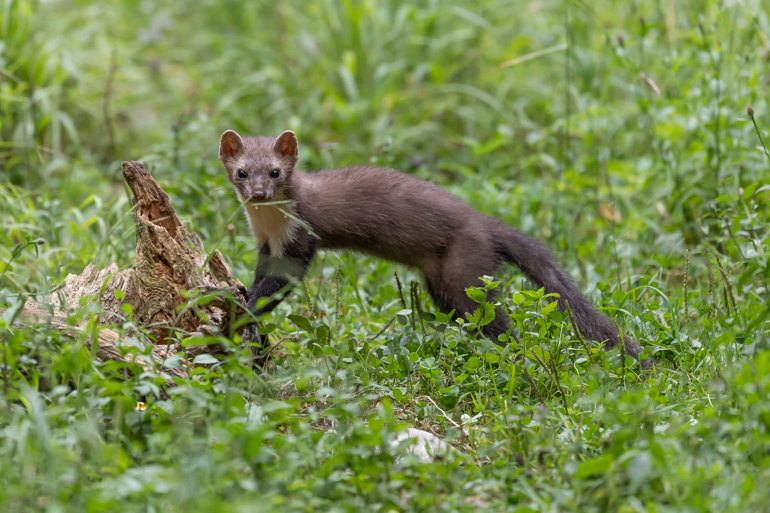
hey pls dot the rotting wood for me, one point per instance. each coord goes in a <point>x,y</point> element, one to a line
<point>170,263</point>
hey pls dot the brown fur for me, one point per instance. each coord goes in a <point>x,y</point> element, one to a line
<point>394,216</point>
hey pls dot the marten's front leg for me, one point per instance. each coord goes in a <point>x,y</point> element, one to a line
<point>266,287</point>
<point>275,276</point>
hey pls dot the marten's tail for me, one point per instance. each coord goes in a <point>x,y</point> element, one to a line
<point>540,266</point>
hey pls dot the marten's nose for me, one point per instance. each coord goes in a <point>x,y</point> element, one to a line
<point>258,195</point>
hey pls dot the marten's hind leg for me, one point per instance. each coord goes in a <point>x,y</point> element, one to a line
<point>460,268</point>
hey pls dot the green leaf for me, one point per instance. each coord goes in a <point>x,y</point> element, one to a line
<point>128,309</point>
<point>427,316</point>
<point>491,357</point>
<point>489,314</point>
<point>301,322</point>
<point>17,250</point>
<point>748,485</point>
<point>204,359</point>
<point>301,383</point>
<point>275,406</point>
<point>550,307</point>
<point>268,328</point>
<point>639,469</point>
<point>174,362</point>
<point>593,466</point>
<point>403,316</point>
<point>748,191</point>
<point>476,294</point>
<point>545,356</point>
<point>473,363</point>
<point>322,335</point>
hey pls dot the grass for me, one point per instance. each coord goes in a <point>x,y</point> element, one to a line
<point>630,152</point>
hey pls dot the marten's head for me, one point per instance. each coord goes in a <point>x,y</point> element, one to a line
<point>260,168</point>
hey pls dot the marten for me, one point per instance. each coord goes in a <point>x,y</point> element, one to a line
<point>390,215</point>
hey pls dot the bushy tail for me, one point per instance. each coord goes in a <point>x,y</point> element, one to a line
<point>540,266</point>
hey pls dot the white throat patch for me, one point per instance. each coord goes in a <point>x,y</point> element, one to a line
<point>270,225</point>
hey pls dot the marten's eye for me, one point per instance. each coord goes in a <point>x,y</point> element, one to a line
<point>275,173</point>
<point>241,174</point>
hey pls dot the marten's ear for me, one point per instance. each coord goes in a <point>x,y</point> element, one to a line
<point>230,145</point>
<point>286,145</point>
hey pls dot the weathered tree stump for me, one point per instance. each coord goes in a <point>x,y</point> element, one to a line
<point>170,265</point>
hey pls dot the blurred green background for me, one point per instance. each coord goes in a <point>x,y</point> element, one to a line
<point>615,131</point>
<point>644,111</point>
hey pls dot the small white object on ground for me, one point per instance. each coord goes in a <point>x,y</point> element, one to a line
<point>426,445</point>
